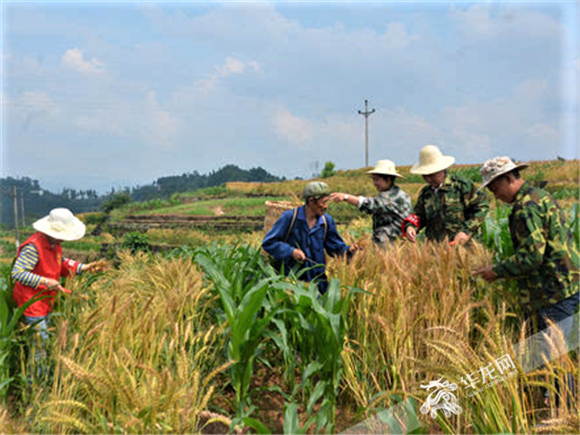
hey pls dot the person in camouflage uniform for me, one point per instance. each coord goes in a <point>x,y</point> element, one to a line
<point>449,207</point>
<point>388,209</point>
<point>544,263</point>
<point>545,259</point>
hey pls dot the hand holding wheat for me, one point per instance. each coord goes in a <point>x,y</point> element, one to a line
<point>96,266</point>
<point>486,273</point>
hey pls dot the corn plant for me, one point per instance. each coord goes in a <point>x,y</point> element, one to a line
<point>311,335</point>
<point>496,234</point>
<point>242,290</point>
<point>9,317</point>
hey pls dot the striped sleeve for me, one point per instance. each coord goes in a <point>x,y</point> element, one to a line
<point>26,261</point>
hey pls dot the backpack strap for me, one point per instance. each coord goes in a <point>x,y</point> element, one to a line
<point>292,225</point>
<point>294,220</point>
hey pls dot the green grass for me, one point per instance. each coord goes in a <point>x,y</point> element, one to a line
<point>232,206</point>
<point>83,245</point>
<point>198,208</point>
<point>248,206</point>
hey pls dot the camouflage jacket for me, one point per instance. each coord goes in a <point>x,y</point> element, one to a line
<point>456,206</point>
<point>388,210</point>
<point>545,260</point>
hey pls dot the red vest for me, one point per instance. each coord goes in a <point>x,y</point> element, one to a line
<point>49,265</point>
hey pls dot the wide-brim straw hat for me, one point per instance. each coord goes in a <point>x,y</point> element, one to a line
<point>493,168</point>
<point>385,167</point>
<point>61,224</point>
<point>431,160</point>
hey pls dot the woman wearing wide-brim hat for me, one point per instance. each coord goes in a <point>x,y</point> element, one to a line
<point>449,207</point>
<point>388,209</point>
<point>39,265</point>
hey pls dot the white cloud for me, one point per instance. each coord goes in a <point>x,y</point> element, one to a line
<point>530,91</point>
<point>475,22</point>
<point>397,37</point>
<point>230,67</point>
<point>479,24</point>
<point>236,66</point>
<point>468,145</point>
<point>102,122</point>
<point>37,101</point>
<point>292,129</point>
<point>233,24</point>
<point>507,95</point>
<point>518,124</point>
<point>161,128</point>
<point>29,109</point>
<point>73,59</point>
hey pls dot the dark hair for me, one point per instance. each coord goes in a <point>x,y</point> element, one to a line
<point>387,178</point>
<point>514,172</point>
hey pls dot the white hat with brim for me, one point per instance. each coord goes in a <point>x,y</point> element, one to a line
<point>431,161</point>
<point>61,224</point>
<point>385,167</point>
<point>496,167</point>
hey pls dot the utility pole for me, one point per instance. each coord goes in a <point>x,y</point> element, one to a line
<point>366,114</point>
<point>16,217</point>
<point>22,207</point>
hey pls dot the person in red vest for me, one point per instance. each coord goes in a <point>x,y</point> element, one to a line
<point>39,265</point>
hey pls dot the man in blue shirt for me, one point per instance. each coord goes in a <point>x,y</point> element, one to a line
<point>301,236</point>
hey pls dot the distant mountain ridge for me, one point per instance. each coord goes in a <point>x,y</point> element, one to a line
<point>38,201</point>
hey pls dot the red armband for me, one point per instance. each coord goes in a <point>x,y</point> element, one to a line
<point>69,267</point>
<point>414,220</point>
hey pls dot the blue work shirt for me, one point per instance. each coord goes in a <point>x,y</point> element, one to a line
<point>312,241</point>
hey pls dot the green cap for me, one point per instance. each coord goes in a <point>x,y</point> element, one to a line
<point>316,189</point>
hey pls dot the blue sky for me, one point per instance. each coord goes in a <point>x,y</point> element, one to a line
<point>96,95</point>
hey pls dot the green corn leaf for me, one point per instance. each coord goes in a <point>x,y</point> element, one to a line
<point>332,296</point>
<point>4,311</point>
<point>317,393</point>
<point>324,418</point>
<point>291,422</point>
<point>19,312</point>
<point>260,427</point>
<point>221,284</point>
<point>247,311</point>
<point>311,369</point>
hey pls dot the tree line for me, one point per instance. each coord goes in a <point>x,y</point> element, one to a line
<point>37,201</point>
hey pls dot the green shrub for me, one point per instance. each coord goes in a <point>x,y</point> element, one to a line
<point>136,241</point>
<point>328,170</point>
<point>93,218</point>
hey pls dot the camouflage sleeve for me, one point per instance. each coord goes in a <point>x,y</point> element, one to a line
<point>400,205</point>
<point>405,207</point>
<point>476,209</point>
<point>419,210</point>
<point>532,244</point>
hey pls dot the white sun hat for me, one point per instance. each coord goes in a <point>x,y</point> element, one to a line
<point>497,166</point>
<point>60,224</point>
<point>431,160</point>
<point>385,167</point>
